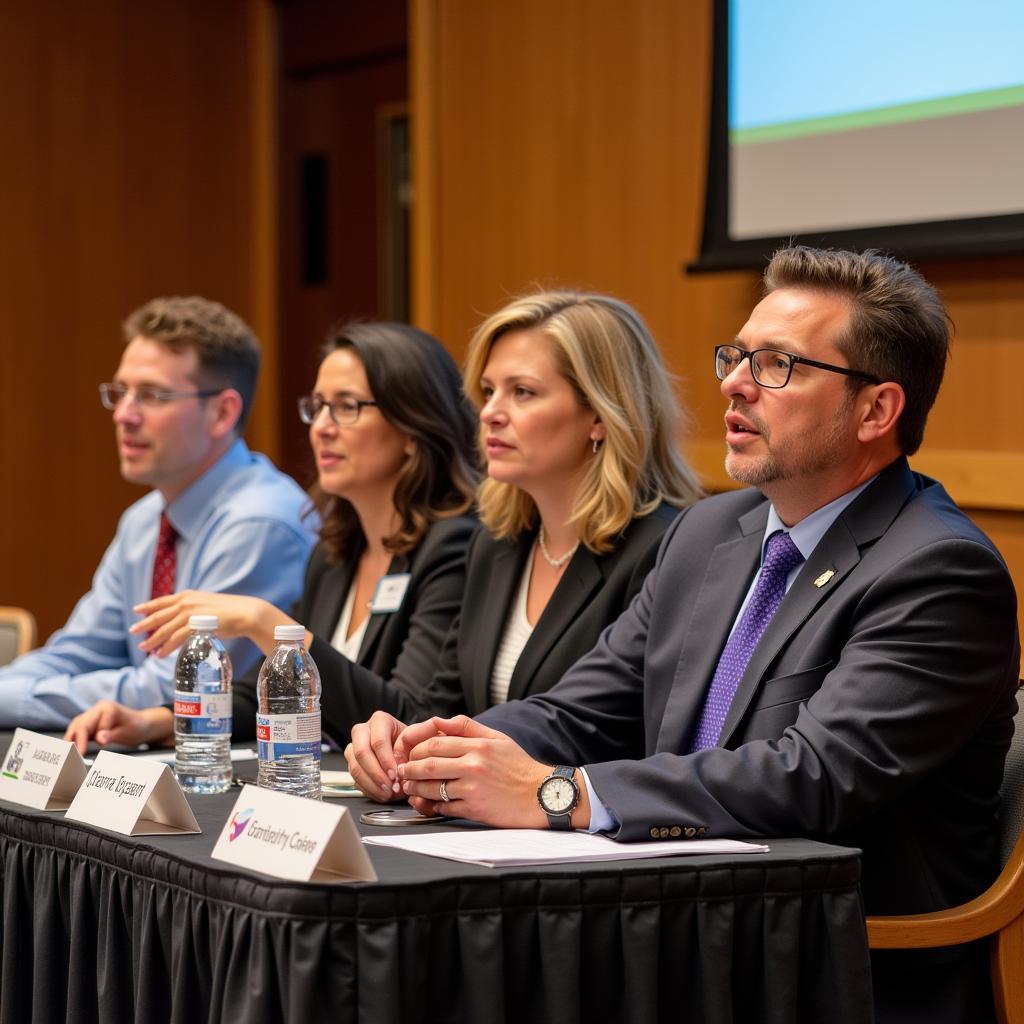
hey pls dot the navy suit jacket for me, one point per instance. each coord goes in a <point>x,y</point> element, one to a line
<point>875,712</point>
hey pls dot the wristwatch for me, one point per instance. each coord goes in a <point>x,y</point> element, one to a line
<point>558,795</point>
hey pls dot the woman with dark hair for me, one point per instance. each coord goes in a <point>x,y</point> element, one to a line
<point>394,443</point>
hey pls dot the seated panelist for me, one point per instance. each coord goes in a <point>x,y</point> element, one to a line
<point>393,439</point>
<point>217,516</point>
<point>578,427</point>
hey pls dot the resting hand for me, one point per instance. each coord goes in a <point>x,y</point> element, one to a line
<point>166,618</point>
<point>374,755</point>
<point>109,722</point>
<point>488,777</point>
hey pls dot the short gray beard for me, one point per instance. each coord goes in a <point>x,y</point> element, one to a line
<point>764,472</point>
<point>769,469</point>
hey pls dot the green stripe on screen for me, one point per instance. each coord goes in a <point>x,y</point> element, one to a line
<point>965,103</point>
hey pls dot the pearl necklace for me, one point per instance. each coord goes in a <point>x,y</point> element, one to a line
<point>555,563</point>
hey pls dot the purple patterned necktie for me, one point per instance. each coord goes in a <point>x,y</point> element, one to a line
<point>780,557</point>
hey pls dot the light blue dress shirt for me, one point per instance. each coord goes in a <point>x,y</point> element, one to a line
<point>805,535</point>
<point>241,530</point>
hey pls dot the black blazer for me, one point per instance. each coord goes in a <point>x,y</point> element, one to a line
<point>593,592</point>
<point>400,649</point>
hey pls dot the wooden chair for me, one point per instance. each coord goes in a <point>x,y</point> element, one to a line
<point>998,913</point>
<point>17,633</point>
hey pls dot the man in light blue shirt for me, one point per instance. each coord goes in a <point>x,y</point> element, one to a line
<point>180,400</point>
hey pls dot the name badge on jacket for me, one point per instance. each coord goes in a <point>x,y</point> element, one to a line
<point>390,593</point>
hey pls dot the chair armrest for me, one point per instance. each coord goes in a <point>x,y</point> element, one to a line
<point>23,624</point>
<point>985,915</point>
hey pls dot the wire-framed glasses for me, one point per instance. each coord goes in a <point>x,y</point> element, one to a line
<point>147,396</point>
<point>771,368</point>
<point>343,411</point>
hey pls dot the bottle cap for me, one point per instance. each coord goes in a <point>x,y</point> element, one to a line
<point>290,633</point>
<point>206,623</point>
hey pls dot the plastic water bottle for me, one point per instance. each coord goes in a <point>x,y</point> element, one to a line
<point>202,710</point>
<point>288,719</point>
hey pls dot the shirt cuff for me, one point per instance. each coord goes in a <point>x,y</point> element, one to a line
<point>601,819</point>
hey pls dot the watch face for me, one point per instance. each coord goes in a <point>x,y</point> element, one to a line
<point>557,795</point>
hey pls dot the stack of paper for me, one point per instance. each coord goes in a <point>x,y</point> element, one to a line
<point>514,846</point>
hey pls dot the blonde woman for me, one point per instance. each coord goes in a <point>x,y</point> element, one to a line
<point>578,427</point>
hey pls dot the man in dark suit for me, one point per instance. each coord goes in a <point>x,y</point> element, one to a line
<point>858,688</point>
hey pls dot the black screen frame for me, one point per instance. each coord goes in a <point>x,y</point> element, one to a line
<point>949,239</point>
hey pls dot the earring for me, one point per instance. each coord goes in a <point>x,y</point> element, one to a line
<point>597,445</point>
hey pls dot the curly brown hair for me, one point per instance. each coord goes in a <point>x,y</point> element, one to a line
<point>226,347</point>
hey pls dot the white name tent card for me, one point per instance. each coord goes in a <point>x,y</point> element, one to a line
<point>133,796</point>
<point>292,837</point>
<point>41,771</point>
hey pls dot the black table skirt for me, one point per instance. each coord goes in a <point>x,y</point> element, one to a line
<point>97,927</point>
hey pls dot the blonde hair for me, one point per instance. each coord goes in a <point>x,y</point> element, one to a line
<point>603,349</point>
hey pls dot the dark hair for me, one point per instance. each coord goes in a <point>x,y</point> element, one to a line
<point>417,388</point>
<point>899,328</point>
<point>225,346</point>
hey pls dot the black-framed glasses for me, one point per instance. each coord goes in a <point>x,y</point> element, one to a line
<point>771,368</point>
<point>343,411</point>
<point>147,396</point>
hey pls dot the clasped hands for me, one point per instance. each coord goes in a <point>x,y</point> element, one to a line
<point>488,777</point>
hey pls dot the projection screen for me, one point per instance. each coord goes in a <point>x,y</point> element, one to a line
<point>896,124</point>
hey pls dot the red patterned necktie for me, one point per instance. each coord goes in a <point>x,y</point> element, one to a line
<point>165,561</point>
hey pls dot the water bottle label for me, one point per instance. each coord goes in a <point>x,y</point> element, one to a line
<point>208,714</point>
<point>288,736</point>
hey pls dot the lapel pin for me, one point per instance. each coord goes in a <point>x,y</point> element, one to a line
<point>824,578</point>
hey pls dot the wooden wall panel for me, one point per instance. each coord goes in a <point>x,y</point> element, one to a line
<point>565,143</point>
<point>342,65</point>
<point>136,141</point>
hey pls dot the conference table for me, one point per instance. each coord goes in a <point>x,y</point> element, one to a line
<point>103,928</point>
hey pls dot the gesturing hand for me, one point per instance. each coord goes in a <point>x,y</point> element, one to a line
<point>166,618</point>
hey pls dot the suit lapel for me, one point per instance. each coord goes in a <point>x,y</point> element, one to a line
<point>502,584</point>
<point>325,610</point>
<point>581,578</point>
<point>730,569</point>
<point>836,554</point>
<point>378,620</point>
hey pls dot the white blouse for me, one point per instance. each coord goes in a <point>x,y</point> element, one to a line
<point>349,645</point>
<point>517,632</point>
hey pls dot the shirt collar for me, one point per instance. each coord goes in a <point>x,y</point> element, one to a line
<point>188,511</point>
<point>808,532</point>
